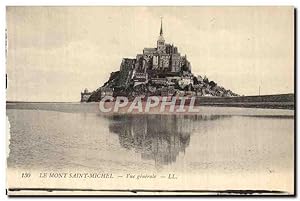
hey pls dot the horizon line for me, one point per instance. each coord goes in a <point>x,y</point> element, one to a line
<point>21,101</point>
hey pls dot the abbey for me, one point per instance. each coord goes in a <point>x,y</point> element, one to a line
<point>162,65</point>
<point>164,59</point>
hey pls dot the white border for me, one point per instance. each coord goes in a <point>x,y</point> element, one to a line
<point>152,2</point>
<point>4,3</point>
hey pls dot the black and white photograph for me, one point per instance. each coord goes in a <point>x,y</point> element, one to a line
<point>150,100</point>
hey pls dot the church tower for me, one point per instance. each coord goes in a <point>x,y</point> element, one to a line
<point>161,41</point>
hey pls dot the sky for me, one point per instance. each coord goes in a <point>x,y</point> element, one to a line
<point>54,53</point>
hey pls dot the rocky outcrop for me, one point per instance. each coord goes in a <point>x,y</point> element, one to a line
<point>121,83</point>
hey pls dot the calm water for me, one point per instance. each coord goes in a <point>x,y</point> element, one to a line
<point>54,140</point>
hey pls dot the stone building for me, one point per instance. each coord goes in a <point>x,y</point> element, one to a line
<point>85,95</point>
<point>163,60</point>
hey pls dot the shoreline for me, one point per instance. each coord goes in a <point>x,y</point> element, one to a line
<point>276,101</point>
<point>93,108</point>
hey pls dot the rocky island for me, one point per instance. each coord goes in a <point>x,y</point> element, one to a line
<point>160,71</point>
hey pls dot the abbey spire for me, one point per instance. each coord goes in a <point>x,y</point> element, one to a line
<point>161,28</point>
<point>161,41</point>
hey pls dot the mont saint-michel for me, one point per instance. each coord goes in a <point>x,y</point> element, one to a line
<point>158,71</point>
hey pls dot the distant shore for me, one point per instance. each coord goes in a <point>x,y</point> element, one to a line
<point>268,105</point>
<point>277,101</point>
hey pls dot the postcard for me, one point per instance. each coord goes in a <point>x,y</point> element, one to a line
<point>150,101</point>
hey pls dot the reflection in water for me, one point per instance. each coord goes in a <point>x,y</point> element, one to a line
<point>157,137</point>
